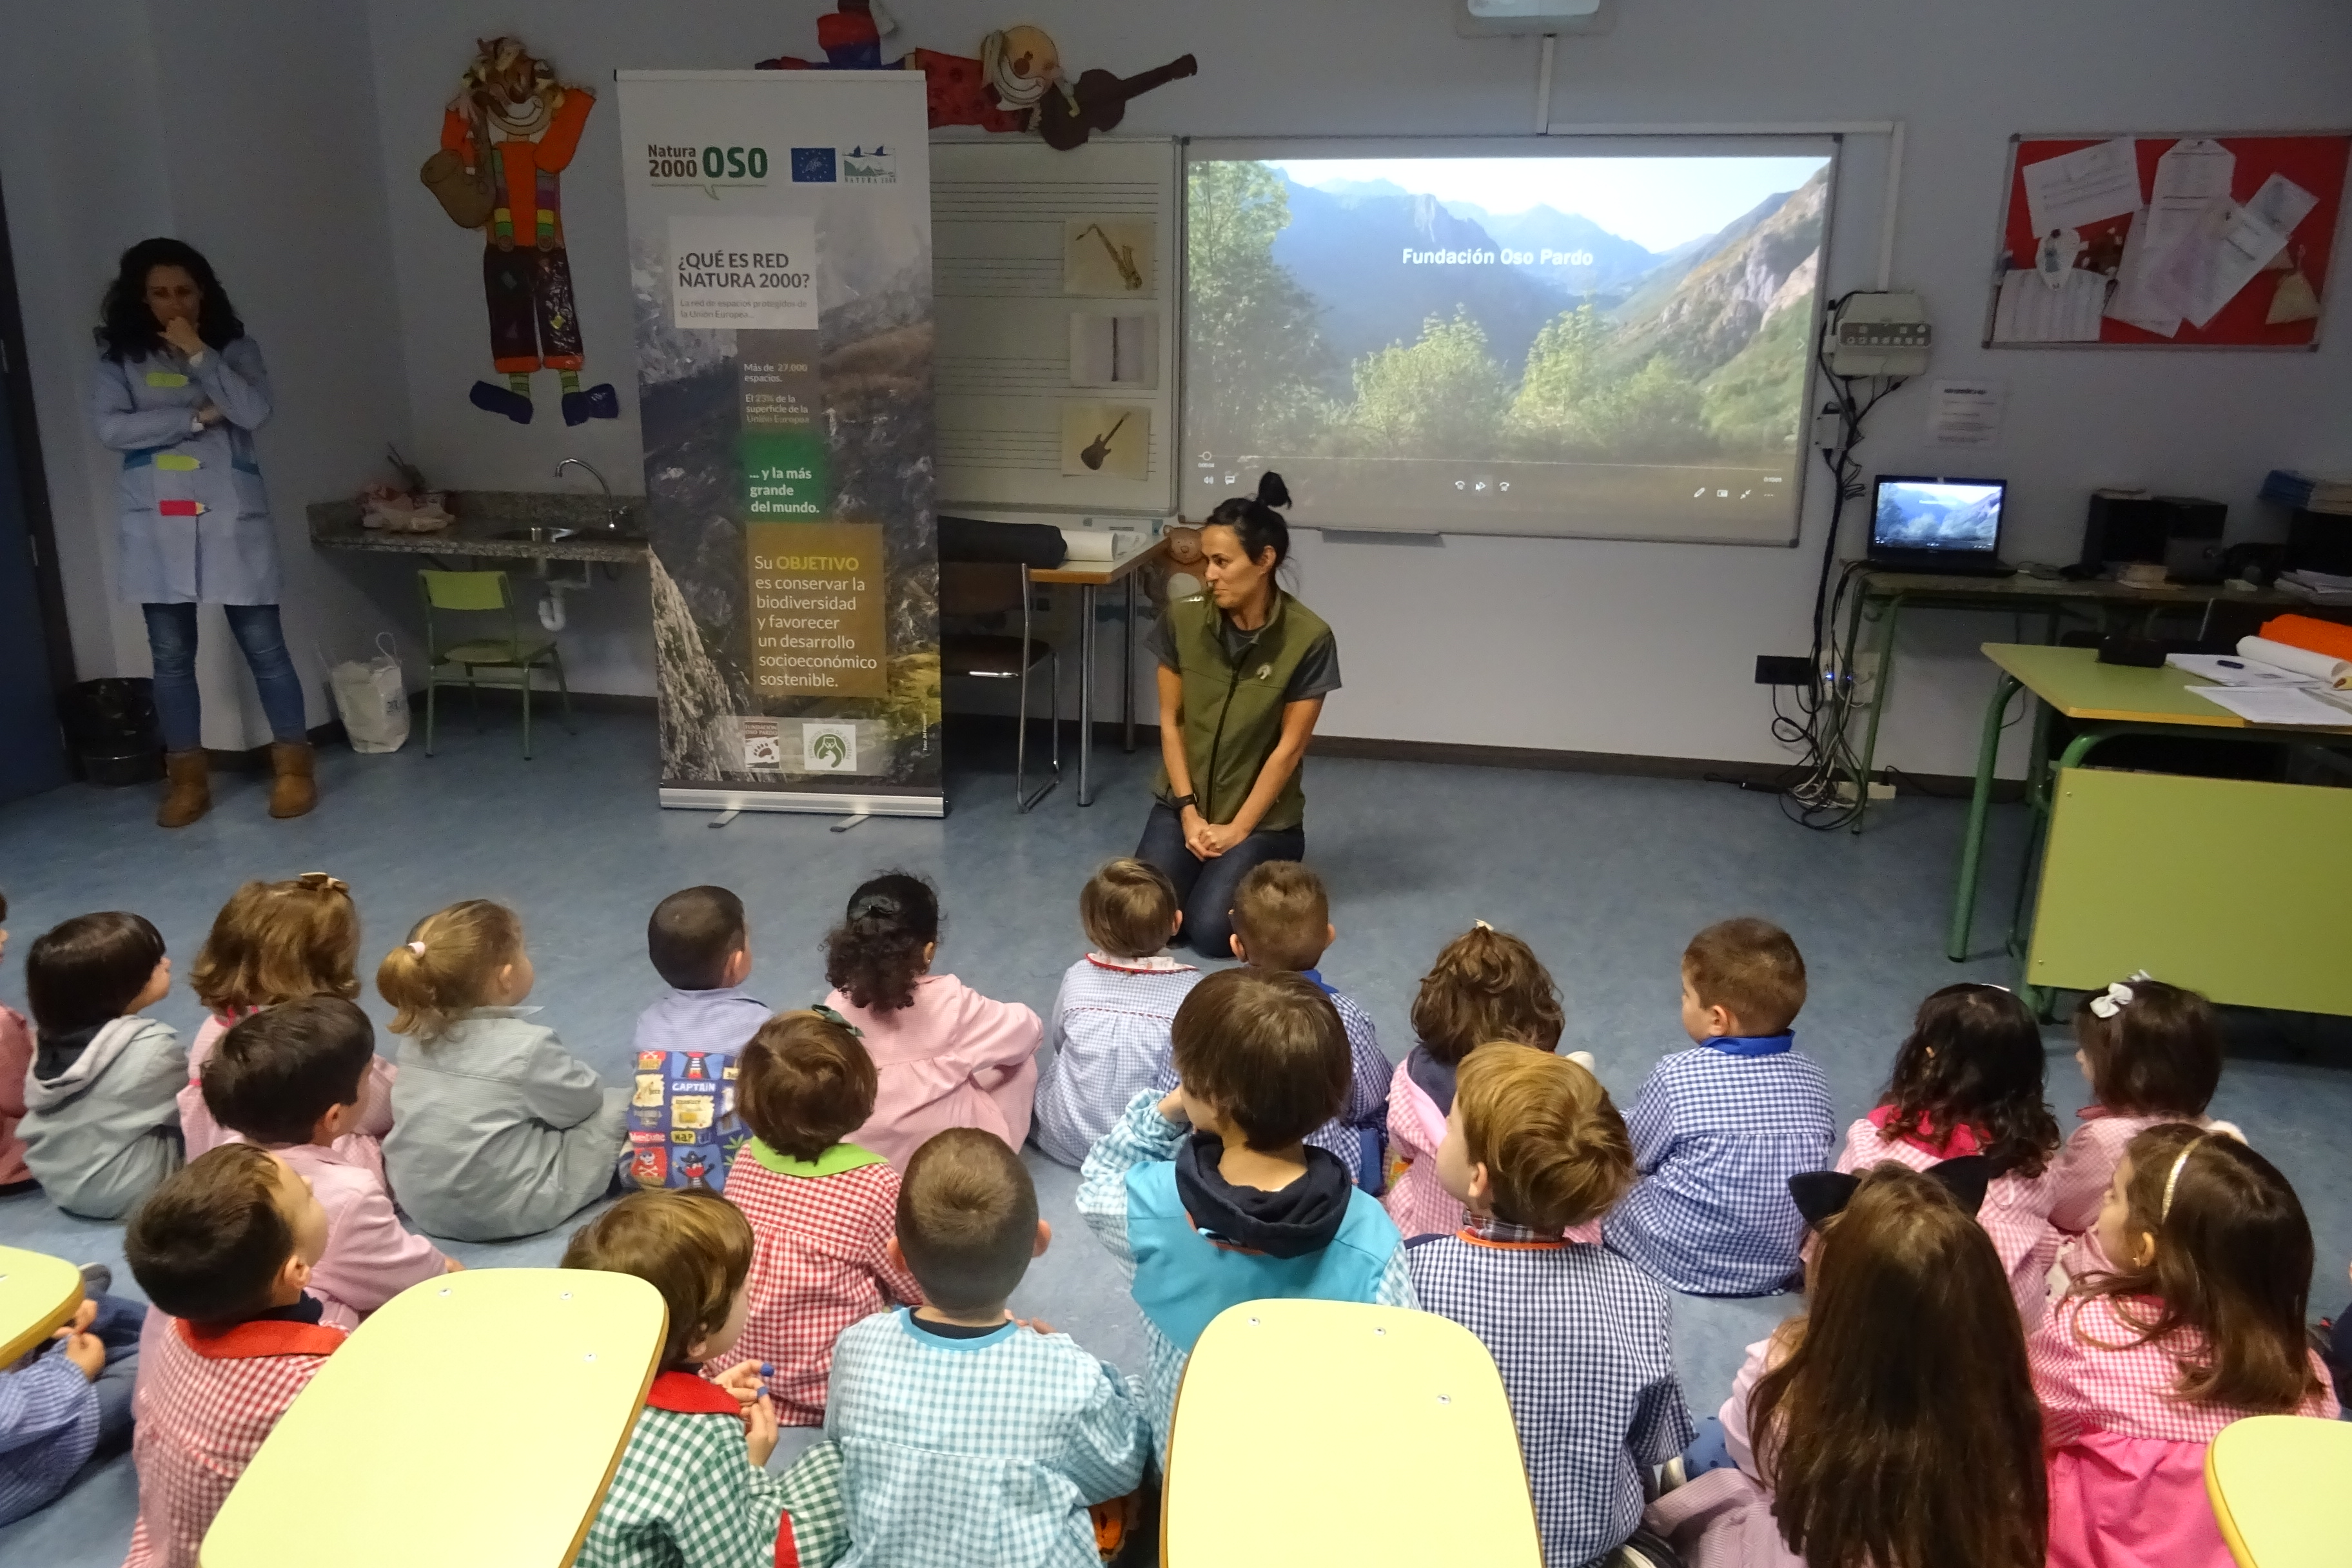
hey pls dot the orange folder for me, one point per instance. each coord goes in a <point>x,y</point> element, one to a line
<point>2305,632</point>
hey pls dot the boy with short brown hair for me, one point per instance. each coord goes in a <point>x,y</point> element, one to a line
<point>1580,1336</point>
<point>1212,1195</point>
<point>1718,1130</point>
<point>967,1435</point>
<point>822,1210</point>
<point>224,1248</point>
<point>692,1486</point>
<point>1282,920</point>
<point>1110,1019</point>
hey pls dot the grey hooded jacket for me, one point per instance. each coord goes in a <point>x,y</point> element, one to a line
<point>102,1133</point>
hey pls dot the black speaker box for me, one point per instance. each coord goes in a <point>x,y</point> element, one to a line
<point>2122,529</point>
<point>2319,541</point>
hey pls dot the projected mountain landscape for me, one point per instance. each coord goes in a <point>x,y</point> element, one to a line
<point>1359,321</point>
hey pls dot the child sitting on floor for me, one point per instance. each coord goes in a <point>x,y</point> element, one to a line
<point>692,1486</point>
<point>1581,1335</point>
<point>498,1130</point>
<point>1210,1196</point>
<point>944,1055</point>
<point>2200,1325</point>
<point>1282,920</point>
<point>2152,1053</point>
<point>291,1078</point>
<point>222,1248</point>
<point>683,1126</point>
<point>821,1210</point>
<point>102,1126</point>
<point>271,942</point>
<point>16,1067</point>
<point>1109,1025</point>
<point>1968,1081</point>
<point>1893,1420</point>
<point>68,1403</point>
<point>1718,1130</point>
<point>1485,986</point>
<point>966,1437</point>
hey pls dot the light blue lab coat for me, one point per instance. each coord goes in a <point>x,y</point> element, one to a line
<point>145,409</point>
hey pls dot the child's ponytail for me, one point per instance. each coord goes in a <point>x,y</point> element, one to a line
<point>875,954</point>
<point>2152,1050</point>
<point>446,966</point>
<point>1486,985</point>
<point>2231,1263</point>
<point>277,942</point>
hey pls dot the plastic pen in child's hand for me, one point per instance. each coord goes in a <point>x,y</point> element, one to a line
<point>767,1371</point>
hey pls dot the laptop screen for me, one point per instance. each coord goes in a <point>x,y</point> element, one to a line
<point>1958,516</point>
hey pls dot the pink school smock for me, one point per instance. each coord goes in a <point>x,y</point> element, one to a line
<point>954,1058</point>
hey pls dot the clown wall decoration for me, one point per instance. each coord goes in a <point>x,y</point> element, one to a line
<point>1016,84</point>
<point>506,140</point>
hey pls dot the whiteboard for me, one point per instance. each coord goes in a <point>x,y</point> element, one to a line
<point>1052,270</point>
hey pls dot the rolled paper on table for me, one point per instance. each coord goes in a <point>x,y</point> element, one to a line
<point>2310,633</point>
<point>1090,543</point>
<point>2335,672</point>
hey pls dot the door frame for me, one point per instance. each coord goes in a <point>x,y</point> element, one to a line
<point>16,369</point>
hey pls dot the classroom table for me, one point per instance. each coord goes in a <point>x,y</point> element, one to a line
<point>2276,1483</point>
<point>475,1419</point>
<point>38,1294</point>
<point>1384,1384</point>
<point>1880,598</point>
<point>1090,577</point>
<point>2230,885</point>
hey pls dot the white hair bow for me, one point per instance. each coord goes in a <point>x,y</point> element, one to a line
<point>2117,995</point>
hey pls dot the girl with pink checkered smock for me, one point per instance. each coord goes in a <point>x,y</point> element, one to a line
<point>2152,1053</point>
<point>272,943</point>
<point>1486,985</point>
<point>2201,1324</point>
<point>1969,1080</point>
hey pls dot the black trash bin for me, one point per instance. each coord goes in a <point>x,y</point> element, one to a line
<point>110,724</point>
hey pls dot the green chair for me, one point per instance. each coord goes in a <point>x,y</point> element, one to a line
<point>483,593</point>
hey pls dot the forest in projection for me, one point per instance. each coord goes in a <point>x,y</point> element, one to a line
<point>1359,319</point>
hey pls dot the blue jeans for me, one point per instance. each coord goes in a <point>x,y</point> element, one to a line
<point>1708,1451</point>
<point>117,1327</point>
<point>171,639</point>
<point>1205,888</point>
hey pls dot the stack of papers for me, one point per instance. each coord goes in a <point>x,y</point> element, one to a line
<point>2229,669</point>
<point>2311,492</point>
<point>2279,705</point>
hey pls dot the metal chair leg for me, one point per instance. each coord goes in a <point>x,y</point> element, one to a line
<point>526,712</point>
<point>432,691</point>
<point>562,689</point>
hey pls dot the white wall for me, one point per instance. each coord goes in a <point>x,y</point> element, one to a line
<point>1578,645</point>
<point>250,133</point>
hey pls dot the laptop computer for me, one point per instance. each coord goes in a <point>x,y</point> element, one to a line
<point>1930,523</point>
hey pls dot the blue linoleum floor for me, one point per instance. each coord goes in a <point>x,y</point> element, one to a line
<point>1607,877</point>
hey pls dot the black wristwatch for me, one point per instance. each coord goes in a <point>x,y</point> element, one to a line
<point>1177,803</point>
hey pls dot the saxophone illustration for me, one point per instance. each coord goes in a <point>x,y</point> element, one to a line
<point>1121,256</point>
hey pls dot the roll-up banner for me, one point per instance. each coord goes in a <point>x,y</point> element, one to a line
<point>779,267</point>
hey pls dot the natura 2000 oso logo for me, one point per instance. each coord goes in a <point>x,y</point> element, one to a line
<point>706,166</point>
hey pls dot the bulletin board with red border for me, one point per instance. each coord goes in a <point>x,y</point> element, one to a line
<point>2315,161</point>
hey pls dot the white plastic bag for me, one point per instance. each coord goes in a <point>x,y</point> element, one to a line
<point>372,696</point>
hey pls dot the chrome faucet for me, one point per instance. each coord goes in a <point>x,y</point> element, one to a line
<point>611,516</point>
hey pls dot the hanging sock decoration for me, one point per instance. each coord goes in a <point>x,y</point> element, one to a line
<point>1015,85</point>
<point>506,140</point>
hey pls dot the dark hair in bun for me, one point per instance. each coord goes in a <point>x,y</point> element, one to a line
<point>1254,522</point>
<point>875,954</point>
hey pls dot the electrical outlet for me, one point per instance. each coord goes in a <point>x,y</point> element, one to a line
<point>1783,670</point>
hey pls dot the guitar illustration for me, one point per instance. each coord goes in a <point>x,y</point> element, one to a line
<point>1121,256</point>
<point>1099,447</point>
<point>1097,101</point>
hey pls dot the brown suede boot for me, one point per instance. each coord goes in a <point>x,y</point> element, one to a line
<point>191,792</point>
<point>295,791</point>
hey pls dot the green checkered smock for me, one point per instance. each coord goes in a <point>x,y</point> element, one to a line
<point>686,1496</point>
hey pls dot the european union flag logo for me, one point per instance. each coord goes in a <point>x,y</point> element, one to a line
<point>814,165</point>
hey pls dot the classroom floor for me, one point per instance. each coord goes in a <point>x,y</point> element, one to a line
<point>1606,877</point>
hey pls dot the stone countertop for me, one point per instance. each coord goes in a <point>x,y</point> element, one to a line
<point>483,515</point>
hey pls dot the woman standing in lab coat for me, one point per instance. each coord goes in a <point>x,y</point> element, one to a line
<point>180,390</point>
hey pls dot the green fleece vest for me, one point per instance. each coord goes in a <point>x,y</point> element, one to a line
<point>1233,713</point>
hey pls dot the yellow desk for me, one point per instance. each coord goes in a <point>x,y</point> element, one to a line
<point>1090,577</point>
<point>2229,886</point>
<point>1244,1491</point>
<point>2277,1483</point>
<point>37,1293</point>
<point>476,1420</point>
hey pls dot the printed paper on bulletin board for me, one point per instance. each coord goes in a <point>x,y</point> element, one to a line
<point>2197,241</point>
